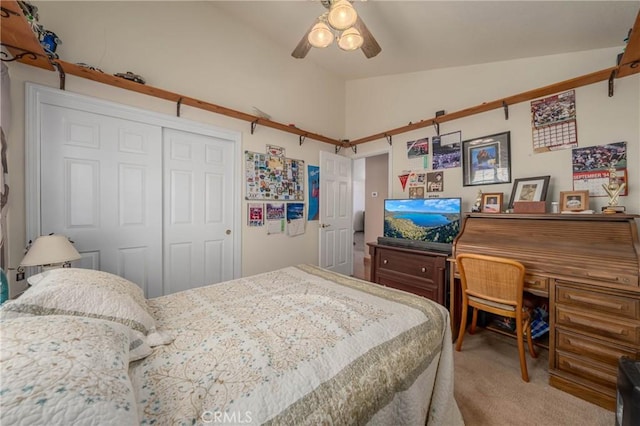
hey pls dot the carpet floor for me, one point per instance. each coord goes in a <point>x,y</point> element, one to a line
<point>490,391</point>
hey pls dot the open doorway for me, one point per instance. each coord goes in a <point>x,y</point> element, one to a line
<point>370,188</point>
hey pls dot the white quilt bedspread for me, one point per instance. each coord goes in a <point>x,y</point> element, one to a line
<point>299,345</point>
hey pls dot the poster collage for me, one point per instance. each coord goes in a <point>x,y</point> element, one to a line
<point>275,188</point>
<point>554,127</point>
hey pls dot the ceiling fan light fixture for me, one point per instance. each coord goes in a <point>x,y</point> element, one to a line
<point>351,39</point>
<point>320,35</point>
<point>342,15</point>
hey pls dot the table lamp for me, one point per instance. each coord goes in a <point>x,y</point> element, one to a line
<point>50,252</point>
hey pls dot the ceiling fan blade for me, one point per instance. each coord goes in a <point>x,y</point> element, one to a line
<point>303,46</point>
<point>370,46</point>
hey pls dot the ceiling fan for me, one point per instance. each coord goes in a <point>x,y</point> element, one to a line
<point>340,22</point>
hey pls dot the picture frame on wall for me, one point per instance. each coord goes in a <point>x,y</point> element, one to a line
<point>491,202</point>
<point>529,189</point>
<point>574,201</point>
<point>487,160</point>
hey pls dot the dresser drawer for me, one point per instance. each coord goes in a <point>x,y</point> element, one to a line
<point>406,263</point>
<point>595,301</point>
<point>596,350</point>
<point>418,287</point>
<point>595,323</point>
<point>594,372</point>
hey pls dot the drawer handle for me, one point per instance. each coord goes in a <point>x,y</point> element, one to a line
<point>385,261</point>
<point>424,269</point>
<point>532,282</point>
<point>603,277</point>
<point>592,324</point>
<point>600,303</point>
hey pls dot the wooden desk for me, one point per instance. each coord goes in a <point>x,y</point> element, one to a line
<point>588,266</point>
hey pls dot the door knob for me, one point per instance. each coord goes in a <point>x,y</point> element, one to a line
<point>324,225</point>
<point>228,232</point>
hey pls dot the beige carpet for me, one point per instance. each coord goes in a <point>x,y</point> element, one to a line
<point>490,391</point>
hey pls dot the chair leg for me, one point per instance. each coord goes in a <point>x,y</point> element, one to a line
<point>463,325</point>
<point>523,361</point>
<point>474,321</point>
<point>532,350</point>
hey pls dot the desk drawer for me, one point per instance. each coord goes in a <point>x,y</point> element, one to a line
<point>536,282</point>
<point>592,322</point>
<point>598,302</point>
<point>406,263</point>
<point>598,373</point>
<point>596,350</point>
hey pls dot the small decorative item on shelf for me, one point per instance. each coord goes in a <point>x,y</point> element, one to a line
<point>478,204</point>
<point>50,41</point>
<point>131,77</point>
<point>574,202</point>
<point>89,67</point>
<point>491,202</point>
<point>613,189</point>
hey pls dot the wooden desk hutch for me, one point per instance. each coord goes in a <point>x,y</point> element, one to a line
<point>588,267</point>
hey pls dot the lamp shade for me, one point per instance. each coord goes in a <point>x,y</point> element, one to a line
<point>50,249</point>
<point>320,35</point>
<point>342,15</point>
<point>350,39</point>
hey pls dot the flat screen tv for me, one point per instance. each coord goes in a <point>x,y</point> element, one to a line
<point>423,223</point>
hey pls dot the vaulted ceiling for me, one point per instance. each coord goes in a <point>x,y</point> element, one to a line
<point>424,35</point>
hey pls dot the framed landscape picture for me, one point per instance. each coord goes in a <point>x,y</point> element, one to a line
<point>486,160</point>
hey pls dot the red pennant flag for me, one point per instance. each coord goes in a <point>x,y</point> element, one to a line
<point>403,180</point>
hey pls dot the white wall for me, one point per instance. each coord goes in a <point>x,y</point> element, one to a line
<point>378,104</point>
<point>184,47</point>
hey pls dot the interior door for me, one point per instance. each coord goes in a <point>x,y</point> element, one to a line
<point>199,199</point>
<point>336,217</point>
<point>101,185</point>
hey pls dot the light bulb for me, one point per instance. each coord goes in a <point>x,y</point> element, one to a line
<point>342,15</point>
<point>320,35</point>
<point>350,39</point>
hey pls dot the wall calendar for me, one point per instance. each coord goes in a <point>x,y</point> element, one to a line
<point>271,177</point>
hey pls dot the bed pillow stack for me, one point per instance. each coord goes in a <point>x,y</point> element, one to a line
<point>65,370</point>
<point>93,294</point>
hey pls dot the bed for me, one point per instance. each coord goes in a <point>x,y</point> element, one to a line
<point>299,345</point>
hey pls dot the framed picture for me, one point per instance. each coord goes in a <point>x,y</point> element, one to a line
<point>486,160</point>
<point>529,189</point>
<point>574,201</point>
<point>491,202</point>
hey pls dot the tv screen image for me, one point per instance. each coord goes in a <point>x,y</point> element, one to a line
<point>429,220</point>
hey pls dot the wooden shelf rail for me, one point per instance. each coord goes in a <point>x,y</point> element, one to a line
<point>17,36</point>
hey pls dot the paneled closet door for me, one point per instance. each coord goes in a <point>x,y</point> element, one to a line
<point>101,185</point>
<point>199,197</point>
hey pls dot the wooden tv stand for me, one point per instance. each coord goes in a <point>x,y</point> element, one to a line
<point>588,266</point>
<point>421,272</point>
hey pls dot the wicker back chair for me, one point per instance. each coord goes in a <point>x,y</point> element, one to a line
<point>495,284</point>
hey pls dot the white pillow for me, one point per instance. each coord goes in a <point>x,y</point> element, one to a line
<point>65,370</point>
<point>93,294</point>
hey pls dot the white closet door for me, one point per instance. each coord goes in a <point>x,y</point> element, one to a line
<point>199,199</point>
<point>101,185</point>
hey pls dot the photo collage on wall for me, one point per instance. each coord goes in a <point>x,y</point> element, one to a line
<point>280,181</point>
<point>446,154</point>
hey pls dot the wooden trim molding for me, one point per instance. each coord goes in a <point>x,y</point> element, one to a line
<point>17,35</point>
